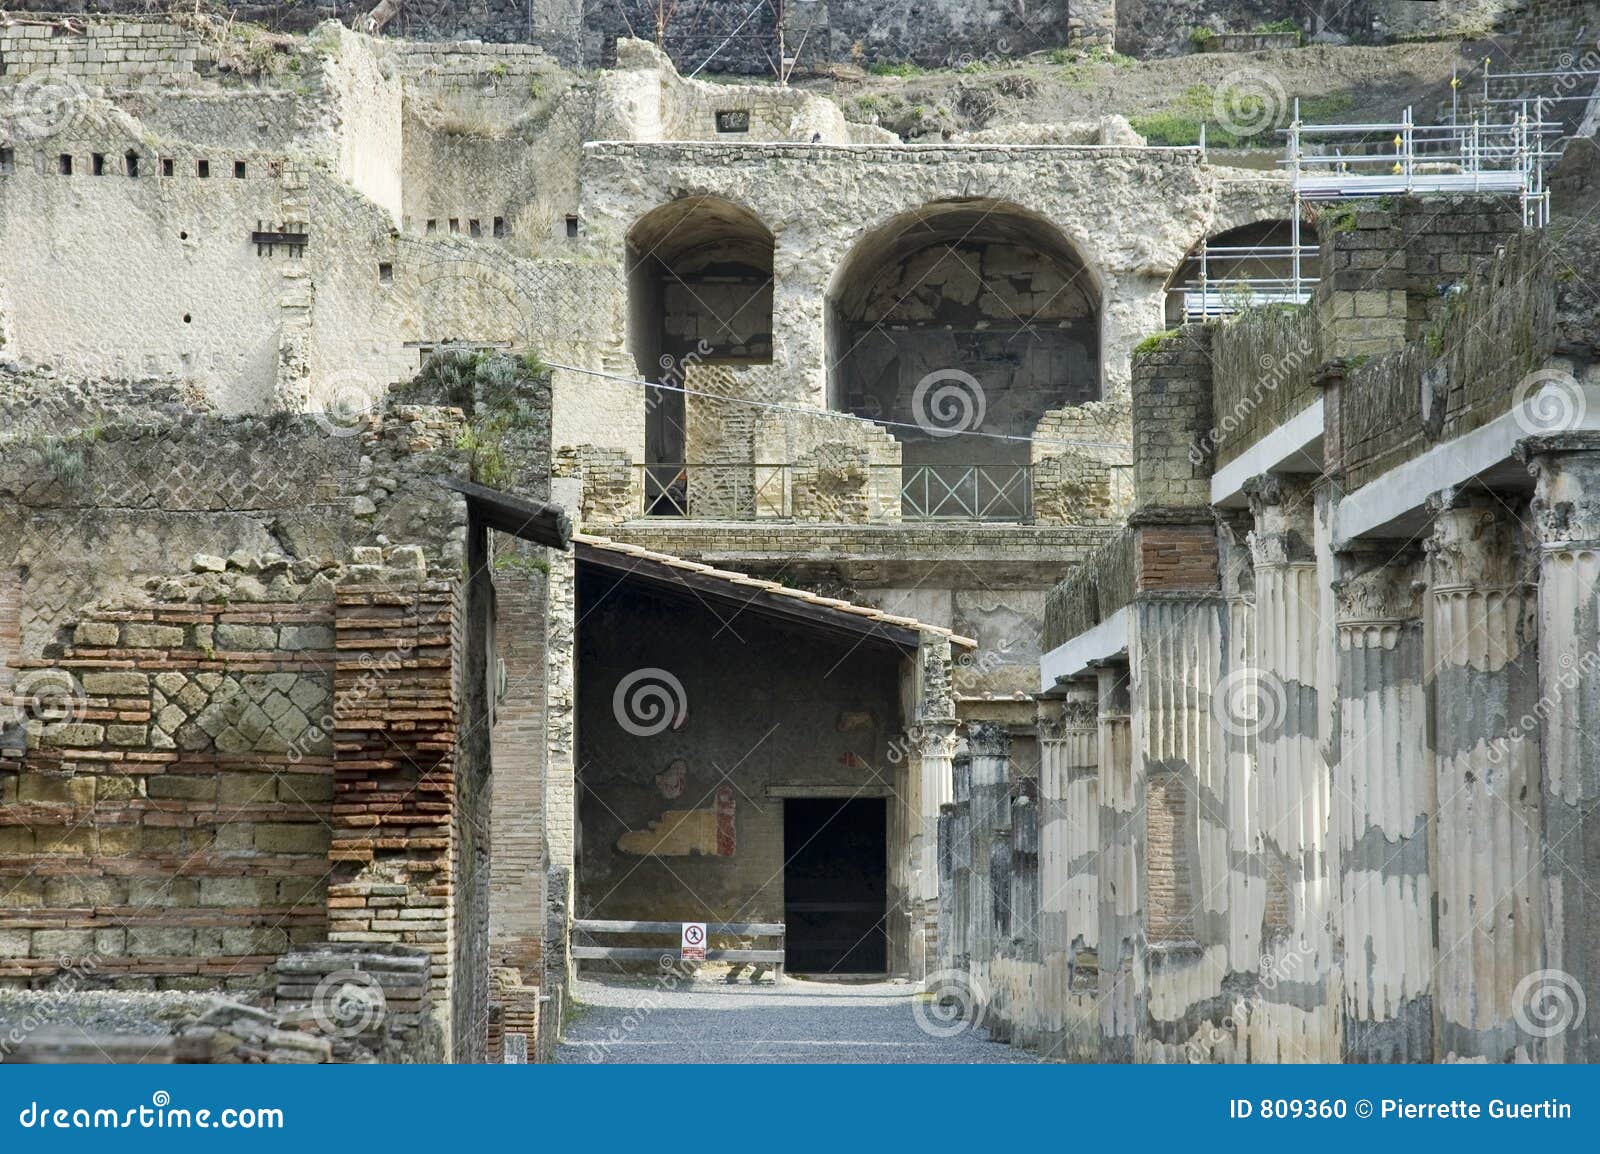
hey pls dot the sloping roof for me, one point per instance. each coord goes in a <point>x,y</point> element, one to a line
<point>779,600</point>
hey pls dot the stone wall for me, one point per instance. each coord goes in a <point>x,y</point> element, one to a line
<point>1463,372</point>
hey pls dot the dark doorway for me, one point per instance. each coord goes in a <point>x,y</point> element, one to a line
<point>834,885</point>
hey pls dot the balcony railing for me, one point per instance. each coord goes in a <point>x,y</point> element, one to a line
<point>721,492</point>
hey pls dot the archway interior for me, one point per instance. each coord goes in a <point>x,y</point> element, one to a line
<point>1256,255</point>
<point>956,293</point>
<point>699,290</point>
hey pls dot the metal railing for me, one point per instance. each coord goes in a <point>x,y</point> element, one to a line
<point>722,491</point>
<point>1217,293</point>
<point>965,492</point>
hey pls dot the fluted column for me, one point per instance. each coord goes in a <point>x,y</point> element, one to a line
<point>1246,887</point>
<point>934,744</point>
<point>1383,794</point>
<point>1069,899</point>
<point>1566,510</point>
<point>1296,1017</point>
<point>990,748</point>
<point>1121,836</point>
<point>1485,731</point>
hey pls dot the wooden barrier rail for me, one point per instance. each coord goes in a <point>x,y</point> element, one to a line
<point>597,927</point>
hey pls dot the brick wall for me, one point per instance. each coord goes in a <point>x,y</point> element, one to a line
<point>170,825</point>
<point>1177,558</point>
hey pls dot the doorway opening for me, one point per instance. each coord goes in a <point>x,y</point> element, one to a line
<point>835,885</point>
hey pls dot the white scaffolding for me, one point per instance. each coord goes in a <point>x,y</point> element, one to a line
<point>1352,161</point>
<point>1363,161</point>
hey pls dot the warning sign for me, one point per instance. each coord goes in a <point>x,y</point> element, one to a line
<point>694,942</point>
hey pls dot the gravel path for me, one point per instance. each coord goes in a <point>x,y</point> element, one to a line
<point>645,1021</point>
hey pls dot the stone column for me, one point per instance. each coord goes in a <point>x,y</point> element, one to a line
<point>1121,840</point>
<point>1069,898</point>
<point>1383,793</point>
<point>1485,732</point>
<point>990,747</point>
<point>1566,509</point>
<point>1246,878</point>
<point>1296,1016</point>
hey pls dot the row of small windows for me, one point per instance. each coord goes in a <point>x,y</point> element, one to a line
<point>474,226</point>
<point>132,165</point>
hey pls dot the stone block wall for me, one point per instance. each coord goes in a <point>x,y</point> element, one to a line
<point>1172,407</point>
<point>1493,331</point>
<point>122,53</point>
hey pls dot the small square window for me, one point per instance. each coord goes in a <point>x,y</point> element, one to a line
<point>130,164</point>
<point>499,226</point>
<point>455,225</point>
<point>64,164</point>
<point>385,272</point>
<point>733,120</point>
<point>202,169</point>
<point>572,226</point>
<point>8,162</point>
<point>97,163</point>
<point>433,227</point>
<point>238,170</point>
<point>474,228</point>
<point>166,166</point>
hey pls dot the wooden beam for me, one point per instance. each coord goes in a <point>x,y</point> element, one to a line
<point>739,929</point>
<point>643,954</point>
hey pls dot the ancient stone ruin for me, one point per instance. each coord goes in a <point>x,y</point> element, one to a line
<point>476,495</point>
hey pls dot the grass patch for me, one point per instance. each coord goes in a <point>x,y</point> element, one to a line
<point>1179,123</point>
<point>903,68</point>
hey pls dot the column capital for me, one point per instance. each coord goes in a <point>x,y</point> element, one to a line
<point>1378,584</point>
<point>1566,500</point>
<point>988,738</point>
<point>1284,512</point>
<point>1475,541</point>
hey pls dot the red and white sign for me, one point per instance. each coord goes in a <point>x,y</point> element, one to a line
<point>694,942</point>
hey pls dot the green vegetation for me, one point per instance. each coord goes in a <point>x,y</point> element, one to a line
<point>492,388</point>
<point>1252,116</point>
<point>1155,341</point>
<point>1201,36</point>
<point>894,68</point>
